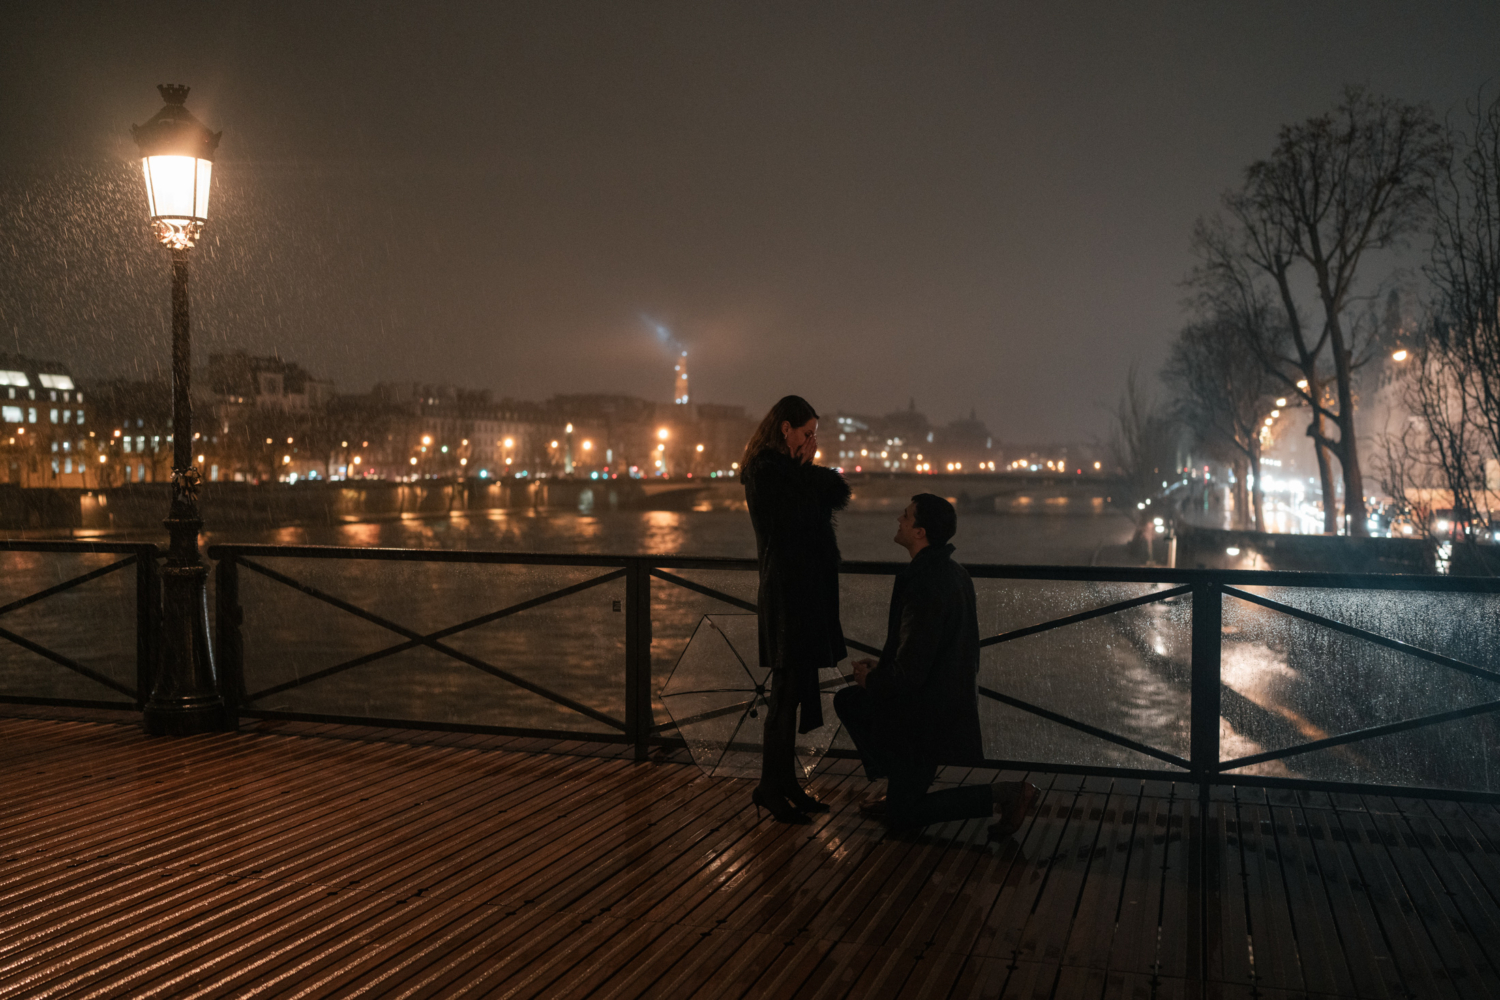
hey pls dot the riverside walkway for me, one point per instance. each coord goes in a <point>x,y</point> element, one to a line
<point>301,860</point>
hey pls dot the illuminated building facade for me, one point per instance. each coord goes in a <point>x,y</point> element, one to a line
<point>48,433</point>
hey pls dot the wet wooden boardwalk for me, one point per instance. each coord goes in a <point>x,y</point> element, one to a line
<point>304,861</point>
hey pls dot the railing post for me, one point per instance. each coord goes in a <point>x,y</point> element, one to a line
<point>228,616</point>
<point>638,720</point>
<point>147,622</point>
<point>1208,636</point>
<point>1208,625</point>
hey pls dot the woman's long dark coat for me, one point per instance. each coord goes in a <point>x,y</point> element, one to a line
<point>791,507</point>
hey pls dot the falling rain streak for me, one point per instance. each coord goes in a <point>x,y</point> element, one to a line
<point>278,270</point>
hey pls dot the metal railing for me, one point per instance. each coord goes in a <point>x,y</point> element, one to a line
<point>1203,590</point>
<point>143,558</point>
<point>630,719</point>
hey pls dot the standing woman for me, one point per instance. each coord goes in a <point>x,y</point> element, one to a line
<point>792,503</point>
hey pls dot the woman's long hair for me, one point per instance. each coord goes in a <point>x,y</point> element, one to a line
<point>793,410</point>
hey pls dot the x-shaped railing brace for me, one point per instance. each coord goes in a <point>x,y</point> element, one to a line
<point>431,640</point>
<point>56,657</point>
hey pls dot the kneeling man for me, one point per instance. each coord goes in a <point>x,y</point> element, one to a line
<point>918,707</point>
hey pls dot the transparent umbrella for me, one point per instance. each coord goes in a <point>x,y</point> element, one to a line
<point>716,696</point>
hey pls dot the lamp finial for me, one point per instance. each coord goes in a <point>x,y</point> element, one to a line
<point>173,93</point>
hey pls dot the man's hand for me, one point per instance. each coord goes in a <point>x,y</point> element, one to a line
<point>862,670</point>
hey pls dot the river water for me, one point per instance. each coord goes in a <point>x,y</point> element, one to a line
<point>1284,681</point>
<point>864,534</point>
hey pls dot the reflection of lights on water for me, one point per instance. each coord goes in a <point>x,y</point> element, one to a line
<point>360,534</point>
<point>664,531</point>
<point>1251,669</point>
<point>1232,744</point>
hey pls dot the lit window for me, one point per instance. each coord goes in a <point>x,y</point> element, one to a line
<point>54,414</point>
<point>11,414</point>
<point>52,382</point>
<point>14,378</point>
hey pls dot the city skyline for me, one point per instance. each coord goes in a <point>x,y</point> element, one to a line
<point>269,420</point>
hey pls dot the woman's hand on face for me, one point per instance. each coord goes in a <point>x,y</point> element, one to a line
<point>802,442</point>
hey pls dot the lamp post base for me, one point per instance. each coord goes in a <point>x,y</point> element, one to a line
<point>187,717</point>
<point>186,699</point>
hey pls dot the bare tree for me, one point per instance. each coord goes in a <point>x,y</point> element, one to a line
<point>1403,468</point>
<point>1223,395</point>
<point>1143,446</point>
<point>1236,262</point>
<point>1441,393</point>
<point>1464,336</point>
<point>1335,188</point>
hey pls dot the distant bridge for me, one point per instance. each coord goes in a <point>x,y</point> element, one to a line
<point>998,491</point>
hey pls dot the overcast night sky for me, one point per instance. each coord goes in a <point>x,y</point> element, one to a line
<point>975,205</point>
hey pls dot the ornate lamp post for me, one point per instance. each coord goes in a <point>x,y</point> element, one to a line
<point>177,156</point>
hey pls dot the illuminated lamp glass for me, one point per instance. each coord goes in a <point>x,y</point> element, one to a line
<point>177,152</point>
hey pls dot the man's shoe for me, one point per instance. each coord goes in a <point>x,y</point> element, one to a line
<point>1011,819</point>
<point>873,809</point>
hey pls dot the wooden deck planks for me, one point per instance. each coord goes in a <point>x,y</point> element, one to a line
<point>1093,932</point>
<point>328,861</point>
<point>1271,959</point>
<point>1136,936</point>
<point>1365,946</point>
<point>1415,959</point>
<point>1455,951</point>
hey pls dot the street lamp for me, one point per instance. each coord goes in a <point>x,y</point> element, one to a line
<point>177,159</point>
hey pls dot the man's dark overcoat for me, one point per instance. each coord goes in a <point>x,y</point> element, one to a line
<point>791,508</point>
<point>925,687</point>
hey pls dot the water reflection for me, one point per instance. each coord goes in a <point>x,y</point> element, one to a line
<point>1255,671</point>
<point>359,535</point>
<point>664,532</point>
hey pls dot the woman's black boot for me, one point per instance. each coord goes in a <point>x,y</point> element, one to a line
<point>781,810</point>
<point>799,799</point>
